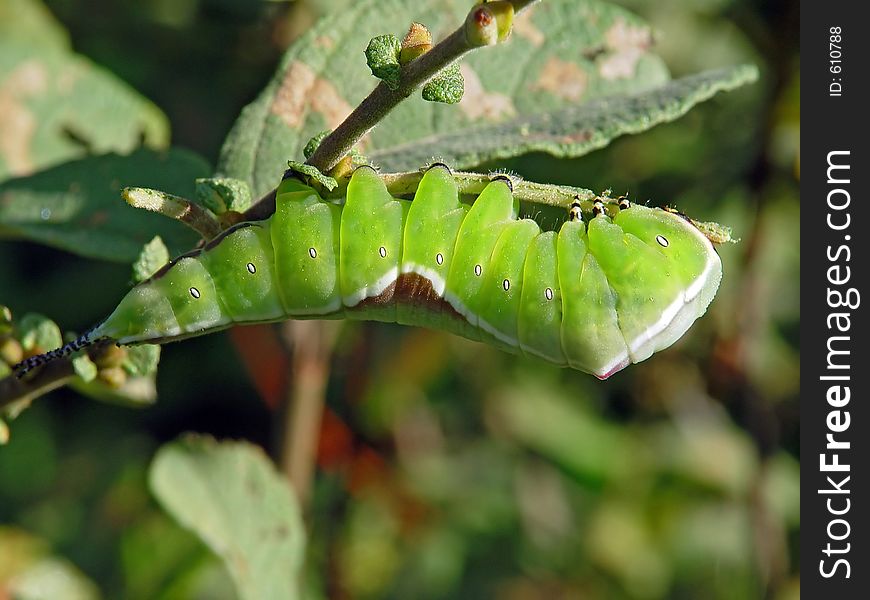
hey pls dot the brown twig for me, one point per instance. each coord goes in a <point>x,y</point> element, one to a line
<point>175,207</point>
<point>311,343</point>
<point>49,377</point>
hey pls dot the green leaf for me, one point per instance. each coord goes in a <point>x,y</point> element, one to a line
<point>154,255</point>
<point>38,333</point>
<point>230,495</point>
<point>382,57</point>
<point>29,572</point>
<point>135,392</point>
<point>561,53</point>
<point>313,173</point>
<point>30,19</point>
<point>77,206</point>
<point>50,579</point>
<point>142,360</point>
<point>220,194</point>
<point>448,86</point>
<point>84,367</point>
<point>56,105</point>
<point>571,131</point>
<point>314,143</point>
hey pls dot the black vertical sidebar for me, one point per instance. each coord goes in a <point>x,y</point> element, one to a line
<point>835,259</point>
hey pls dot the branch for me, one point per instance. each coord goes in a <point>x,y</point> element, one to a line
<point>193,215</point>
<point>48,377</point>
<point>378,104</point>
<point>405,184</point>
<point>311,344</point>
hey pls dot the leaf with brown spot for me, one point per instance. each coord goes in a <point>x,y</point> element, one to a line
<point>525,28</point>
<point>564,79</point>
<point>230,495</point>
<point>56,106</point>
<point>479,104</point>
<point>562,53</point>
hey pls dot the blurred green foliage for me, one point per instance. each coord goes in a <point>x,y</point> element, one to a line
<point>448,469</point>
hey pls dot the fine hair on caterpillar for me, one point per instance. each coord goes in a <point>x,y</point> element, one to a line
<point>617,282</point>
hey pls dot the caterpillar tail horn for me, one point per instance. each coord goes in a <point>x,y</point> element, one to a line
<point>83,341</point>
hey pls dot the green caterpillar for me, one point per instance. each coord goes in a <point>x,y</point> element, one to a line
<point>596,296</point>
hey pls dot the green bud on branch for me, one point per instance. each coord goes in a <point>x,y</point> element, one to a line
<point>382,56</point>
<point>489,23</point>
<point>418,41</point>
<point>448,86</point>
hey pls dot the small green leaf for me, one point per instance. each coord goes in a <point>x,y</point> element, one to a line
<point>52,578</point>
<point>4,427</point>
<point>220,194</point>
<point>142,360</point>
<point>314,173</point>
<point>29,572</point>
<point>447,86</point>
<point>134,392</point>
<point>382,57</point>
<point>78,207</point>
<point>154,255</point>
<point>84,367</point>
<point>38,333</point>
<point>230,495</point>
<point>312,145</point>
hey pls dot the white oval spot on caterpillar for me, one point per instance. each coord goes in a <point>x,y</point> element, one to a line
<point>548,294</point>
<point>312,253</point>
<point>382,251</point>
<point>624,203</point>
<point>194,292</point>
<point>439,259</point>
<point>662,240</point>
<point>506,284</point>
<point>251,268</point>
<point>478,270</point>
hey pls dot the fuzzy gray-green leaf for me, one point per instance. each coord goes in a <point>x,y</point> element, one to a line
<point>382,57</point>
<point>220,194</point>
<point>154,255</point>
<point>142,360</point>
<point>569,131</point>
<point>230,495</point>
<point>561,53</point>
<point>58,106</point>
<point>447,86</point>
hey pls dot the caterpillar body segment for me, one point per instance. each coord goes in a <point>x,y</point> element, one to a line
<point>597,295</point>
<point>305,234</point>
